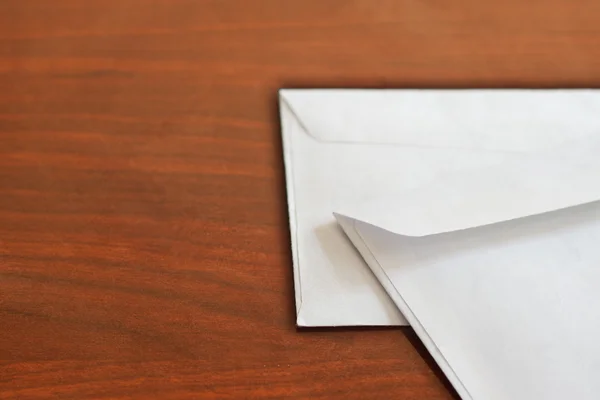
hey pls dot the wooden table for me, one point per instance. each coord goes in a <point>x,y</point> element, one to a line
<point>144,247</point>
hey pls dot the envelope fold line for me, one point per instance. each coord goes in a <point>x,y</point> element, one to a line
<point>349,227</point>
<point>288,164</point>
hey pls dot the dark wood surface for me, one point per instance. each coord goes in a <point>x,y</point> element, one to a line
<point>144,247</point>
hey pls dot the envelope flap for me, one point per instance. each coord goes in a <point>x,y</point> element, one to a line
<point>494,120</point>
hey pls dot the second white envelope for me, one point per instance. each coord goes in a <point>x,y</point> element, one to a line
<point>509,310</point>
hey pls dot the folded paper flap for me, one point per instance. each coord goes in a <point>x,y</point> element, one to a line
<point>485,119</point>
<point>523,187</point>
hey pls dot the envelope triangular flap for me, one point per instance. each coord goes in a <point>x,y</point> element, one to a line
<point>532,151</point>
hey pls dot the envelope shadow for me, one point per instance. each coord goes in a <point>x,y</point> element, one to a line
<point>413,338</point>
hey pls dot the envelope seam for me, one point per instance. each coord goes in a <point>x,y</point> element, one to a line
<point>313,136</point>
<point>289,164</point>
<point>299,120</point>
<point>408,314</point>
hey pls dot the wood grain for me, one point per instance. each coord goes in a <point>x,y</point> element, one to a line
<point>144,249</point>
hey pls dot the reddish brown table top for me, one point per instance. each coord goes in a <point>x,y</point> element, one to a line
<point>144,247</point>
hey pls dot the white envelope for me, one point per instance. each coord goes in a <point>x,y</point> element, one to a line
<point>425,162</point>
<point>478,213</point>
<point>509,311</point>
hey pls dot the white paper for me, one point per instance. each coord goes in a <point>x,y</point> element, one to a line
<point>388,157</point>
<point>508,310</point>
